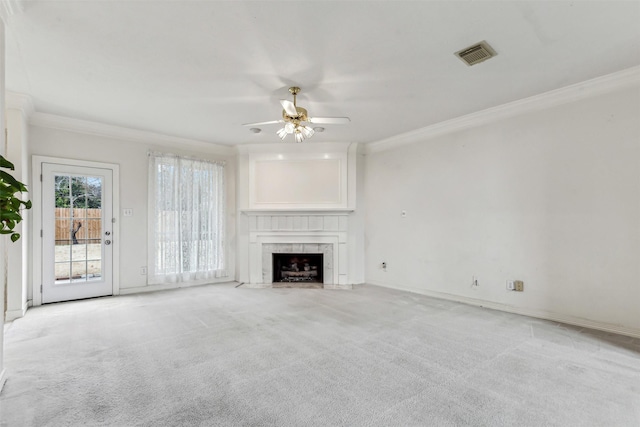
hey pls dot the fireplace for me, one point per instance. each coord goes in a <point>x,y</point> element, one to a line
<point>298,267</point>
<point>307,234</point>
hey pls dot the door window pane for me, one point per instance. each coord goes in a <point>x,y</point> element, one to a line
<point>78,228</point>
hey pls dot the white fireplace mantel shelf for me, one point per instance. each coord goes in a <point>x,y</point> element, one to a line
<point>289,211</point>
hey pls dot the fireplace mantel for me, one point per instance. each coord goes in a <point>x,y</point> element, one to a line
<point>293,212</point>
<point>292,230</point>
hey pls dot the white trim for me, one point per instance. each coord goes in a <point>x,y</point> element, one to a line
<point>169,286</point>
<point>3,378</point>
<point>19,101</point>
<point>36,188</point>
<point>293,212</point>
<point>352,161</point>
<point>540,314</point>
<point>36,227</point>
<point>542,101</point>
<point>69,124</point>
<point>12,315</point>
<point>9,8</point>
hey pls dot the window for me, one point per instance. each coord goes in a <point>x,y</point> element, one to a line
<point>186,219</point>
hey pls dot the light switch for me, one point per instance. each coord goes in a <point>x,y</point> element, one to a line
<point>127,212</point>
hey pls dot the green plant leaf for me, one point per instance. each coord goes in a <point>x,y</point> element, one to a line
<point>11,215</point>
<point>4,163</point>
<point>10,206</point>
<point>12,182</point>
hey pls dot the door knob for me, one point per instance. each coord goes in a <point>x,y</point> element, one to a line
<point>107,242</point>
<point>108,233</point>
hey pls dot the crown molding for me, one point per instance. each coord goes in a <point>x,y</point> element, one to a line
<point>9,8</point>
<point>52,121</point>
<point>543,101</point>
<point>19,101</point>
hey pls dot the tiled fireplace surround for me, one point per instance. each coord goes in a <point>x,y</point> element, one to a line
<point>299,232</point>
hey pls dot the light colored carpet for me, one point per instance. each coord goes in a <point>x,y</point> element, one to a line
<point>220,355</point>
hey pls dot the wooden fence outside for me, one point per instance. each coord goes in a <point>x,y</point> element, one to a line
<point>87,224</point>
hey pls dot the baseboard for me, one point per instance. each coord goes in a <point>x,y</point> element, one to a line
<point>539,314</point>
<point>166,287</point>
<point>16,314</point>
<point>3,378</point>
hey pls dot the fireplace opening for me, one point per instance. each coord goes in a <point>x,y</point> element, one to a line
<point>297,268</point>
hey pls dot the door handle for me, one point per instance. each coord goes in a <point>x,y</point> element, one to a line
<point>107,242</point>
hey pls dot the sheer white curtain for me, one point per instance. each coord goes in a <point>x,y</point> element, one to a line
<point>186,219</point>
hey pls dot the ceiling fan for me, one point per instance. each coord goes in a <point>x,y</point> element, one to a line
<point>296,120</point>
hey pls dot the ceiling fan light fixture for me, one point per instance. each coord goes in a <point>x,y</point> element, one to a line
<point>296,120</point>
<point>306,131</point>
<point>289,127</point>
<point>282,133</point>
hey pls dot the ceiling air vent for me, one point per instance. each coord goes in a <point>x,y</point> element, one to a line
<point>476,54</point>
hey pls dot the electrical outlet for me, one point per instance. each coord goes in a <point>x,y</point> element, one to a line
<point>384,266</point>
<point>143,271</point>
<point>519,285</point>
<point>474,282</point>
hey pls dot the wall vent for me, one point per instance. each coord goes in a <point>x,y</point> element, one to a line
<point>477,53</point>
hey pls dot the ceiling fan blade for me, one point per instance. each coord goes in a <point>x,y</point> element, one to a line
<point>289,107</point>
<point>272,122</point>
<point>329,120</point>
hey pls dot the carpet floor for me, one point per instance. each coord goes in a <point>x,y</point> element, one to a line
<point>220,355</point>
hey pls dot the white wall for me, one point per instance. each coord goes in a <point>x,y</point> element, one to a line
<point>132,158</point>
<point>549,197</point>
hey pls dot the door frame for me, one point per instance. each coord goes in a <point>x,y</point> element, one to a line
<point>36,211</point>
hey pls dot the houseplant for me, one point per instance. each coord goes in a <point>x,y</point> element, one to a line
<point>10,205</point>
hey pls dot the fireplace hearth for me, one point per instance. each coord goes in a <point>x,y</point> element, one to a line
<point>298,268</point>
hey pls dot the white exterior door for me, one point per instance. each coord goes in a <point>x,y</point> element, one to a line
<point>77,232</point>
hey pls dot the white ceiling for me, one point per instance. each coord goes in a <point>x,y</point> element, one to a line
<point>199,69</point>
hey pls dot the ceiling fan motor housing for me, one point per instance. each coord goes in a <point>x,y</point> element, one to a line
<point>301,117</point>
